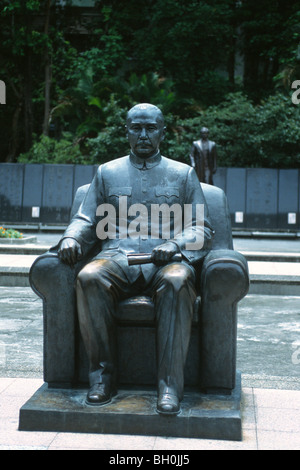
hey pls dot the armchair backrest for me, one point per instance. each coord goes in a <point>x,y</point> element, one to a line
<point>219,216</point>
<point>217,207</point>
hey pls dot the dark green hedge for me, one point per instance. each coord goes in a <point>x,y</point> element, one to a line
<point>247,135</point>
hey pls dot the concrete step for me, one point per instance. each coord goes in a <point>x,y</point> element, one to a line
<point>29,249</point>
<point>250,255</point>
<point>267,277</point>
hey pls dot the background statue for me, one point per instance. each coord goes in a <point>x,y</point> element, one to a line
<point>203,157</point>
<point>142,178</point>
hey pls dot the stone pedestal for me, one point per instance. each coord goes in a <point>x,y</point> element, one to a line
<point>205,416</point>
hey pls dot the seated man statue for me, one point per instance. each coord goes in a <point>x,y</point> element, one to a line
<point>139,183</point>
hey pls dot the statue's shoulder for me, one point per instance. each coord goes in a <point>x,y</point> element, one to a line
<point>117,162</point>
<point>175,165</point>
<point>197,143</point>
<point>113,165</point>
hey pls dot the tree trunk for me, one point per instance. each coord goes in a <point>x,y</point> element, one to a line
<point>48,73</point>
<point>28,113</point>
<point>14,142</point>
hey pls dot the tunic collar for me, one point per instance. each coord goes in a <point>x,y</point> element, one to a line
<point>147,163</point>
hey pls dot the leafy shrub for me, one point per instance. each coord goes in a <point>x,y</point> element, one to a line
<point>111,142</point>
<point>49,150</point>
<point>265,135</point>
<point>247,135</point>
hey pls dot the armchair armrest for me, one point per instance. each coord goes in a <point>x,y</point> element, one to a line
<point>224,281</point>
<point>53,281</point>
<point>46,273</point>
<point>230,271</point>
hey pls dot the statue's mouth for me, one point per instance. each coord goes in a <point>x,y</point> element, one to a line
<point>144,145</point>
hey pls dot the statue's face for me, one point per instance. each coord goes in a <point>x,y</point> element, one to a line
<point>204,134</point>
<point>145,131</point>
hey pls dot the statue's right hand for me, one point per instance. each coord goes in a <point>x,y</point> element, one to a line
<point>69,251</point>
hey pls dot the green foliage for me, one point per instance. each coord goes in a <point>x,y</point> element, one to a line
<point>178,39</point>
<point>87,108</point>
<point>270,37</point>
<point>247,135</point>
<point>177,54</point>
<point>50,150</point>
<point>10,233</point>
<point>111,142</point>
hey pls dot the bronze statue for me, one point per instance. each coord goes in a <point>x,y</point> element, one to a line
<point>203,157</point>
<point>140,180</point>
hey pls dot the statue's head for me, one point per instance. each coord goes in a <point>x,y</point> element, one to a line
<point>145,129</point>
<point>204,133</point>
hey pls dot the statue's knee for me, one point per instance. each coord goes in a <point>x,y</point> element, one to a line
<point>85,277</point>
<point>91,273</point>
<point>177,276</point>
<point>94,275</point>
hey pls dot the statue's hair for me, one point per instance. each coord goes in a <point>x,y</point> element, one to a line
<point>143,106</point>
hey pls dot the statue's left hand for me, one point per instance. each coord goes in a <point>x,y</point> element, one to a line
<point>163,253</point>
<point>69,251</point>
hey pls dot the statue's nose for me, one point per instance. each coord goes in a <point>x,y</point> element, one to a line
<point>143,134</point>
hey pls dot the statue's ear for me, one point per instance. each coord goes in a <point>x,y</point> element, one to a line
<point>163,134</point>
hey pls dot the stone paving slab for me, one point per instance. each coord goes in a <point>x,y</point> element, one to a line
<point>270,421</point>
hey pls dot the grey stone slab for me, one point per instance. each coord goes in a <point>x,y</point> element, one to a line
<point>220,178</point>
<point>236,195</point>
<point>134,412</point>
<point>288,187</point>
<point>57,193</point>
<point>261,199</point>
<point>11,192</point>
<point>83,174</point>
<point>32,193</point>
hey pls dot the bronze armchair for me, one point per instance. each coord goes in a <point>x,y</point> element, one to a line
<point>223,280</point>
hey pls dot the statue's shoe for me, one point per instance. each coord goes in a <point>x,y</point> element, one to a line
<point>99,394</point>
<point>168,404</point>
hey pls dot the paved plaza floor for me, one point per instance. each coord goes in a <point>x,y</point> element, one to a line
<point>268,358</point>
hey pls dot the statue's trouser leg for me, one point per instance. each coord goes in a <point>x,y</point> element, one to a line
<point>174,296</point>
<point>98,289</point>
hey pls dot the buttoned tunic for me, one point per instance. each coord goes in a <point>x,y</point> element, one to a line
<point>130,180</point>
